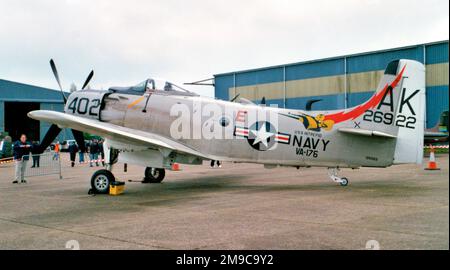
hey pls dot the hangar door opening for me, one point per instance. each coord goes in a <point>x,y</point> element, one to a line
<point>17,121</point>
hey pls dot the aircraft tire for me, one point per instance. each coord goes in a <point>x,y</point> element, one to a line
<point>344,182</point>
<point>101,180</point>
<point>157,176</point>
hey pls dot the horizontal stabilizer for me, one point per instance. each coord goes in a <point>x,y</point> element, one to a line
<point>436,134</point>
<point>366,132</point>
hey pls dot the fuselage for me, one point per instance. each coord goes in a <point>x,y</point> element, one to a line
<point>230,131</point>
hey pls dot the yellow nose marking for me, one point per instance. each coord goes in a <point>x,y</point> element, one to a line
<point>132,104</point>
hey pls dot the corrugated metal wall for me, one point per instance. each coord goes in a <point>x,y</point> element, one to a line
<point>340,82</point>
<point>49,100</point>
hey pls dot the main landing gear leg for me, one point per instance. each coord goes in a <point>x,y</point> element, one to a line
<point>333,173</point>
<point>102,179</point>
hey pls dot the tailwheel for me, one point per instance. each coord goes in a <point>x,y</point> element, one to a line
<point>154,175</point>
<point>101,180</point>
<point>333,173</point>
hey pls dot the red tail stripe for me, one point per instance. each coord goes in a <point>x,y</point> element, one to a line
<point>374,101</point>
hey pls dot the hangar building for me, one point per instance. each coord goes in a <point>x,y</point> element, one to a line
<point>340,82</point>
<point>17,99</point>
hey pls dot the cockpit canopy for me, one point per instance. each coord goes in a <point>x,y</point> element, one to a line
<point>152,85</point>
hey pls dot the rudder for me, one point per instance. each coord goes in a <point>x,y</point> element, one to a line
<point>410,114</point>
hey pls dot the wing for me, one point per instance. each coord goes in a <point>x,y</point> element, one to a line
<point>114,132</point>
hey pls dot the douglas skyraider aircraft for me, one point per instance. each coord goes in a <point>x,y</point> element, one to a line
<point>156,124</point>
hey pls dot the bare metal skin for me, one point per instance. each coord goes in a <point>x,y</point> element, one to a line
<point>157,126</point>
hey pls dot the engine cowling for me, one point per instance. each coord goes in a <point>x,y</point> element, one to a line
<point>86,103</point>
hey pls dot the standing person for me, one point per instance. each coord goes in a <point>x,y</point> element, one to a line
<point>7,148</point>
<point>21,150</point>
<point>102,152</point>
<point>81,155</point>
<point>1,148</point>
<point>217,162</point>
<point>35,151</point>
<point>73,149</point>
<point>93,152</point>
<point>56,154</point>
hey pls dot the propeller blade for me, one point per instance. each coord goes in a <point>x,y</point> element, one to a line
<point>89,77</point>
<point>79,138</point>
<point>55,73</point>
<point>51,134</point>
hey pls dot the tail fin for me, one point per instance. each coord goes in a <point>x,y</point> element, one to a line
<point>410,114</point>
<point>396,110</point>
<point>400,110</point>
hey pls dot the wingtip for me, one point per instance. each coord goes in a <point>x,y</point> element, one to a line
<point>31,114</point>
<point>36,114</point>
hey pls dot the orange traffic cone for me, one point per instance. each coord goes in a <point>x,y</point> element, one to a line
<point>432,165</point>
<point>175,167</point>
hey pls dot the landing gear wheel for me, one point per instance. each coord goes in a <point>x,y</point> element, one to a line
<point>344,182</point>
<point>101,180</point>
<point>154,175</point>
<point>333,173</point>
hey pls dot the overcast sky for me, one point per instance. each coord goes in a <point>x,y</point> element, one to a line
<point>127,41</point>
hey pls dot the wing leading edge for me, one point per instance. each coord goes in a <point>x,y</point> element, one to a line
<point>113,132</point>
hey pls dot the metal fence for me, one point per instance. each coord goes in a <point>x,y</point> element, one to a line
<point>43,164</point>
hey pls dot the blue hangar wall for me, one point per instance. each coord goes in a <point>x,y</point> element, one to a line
<point>340,82</point>
<point>46,99</point>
